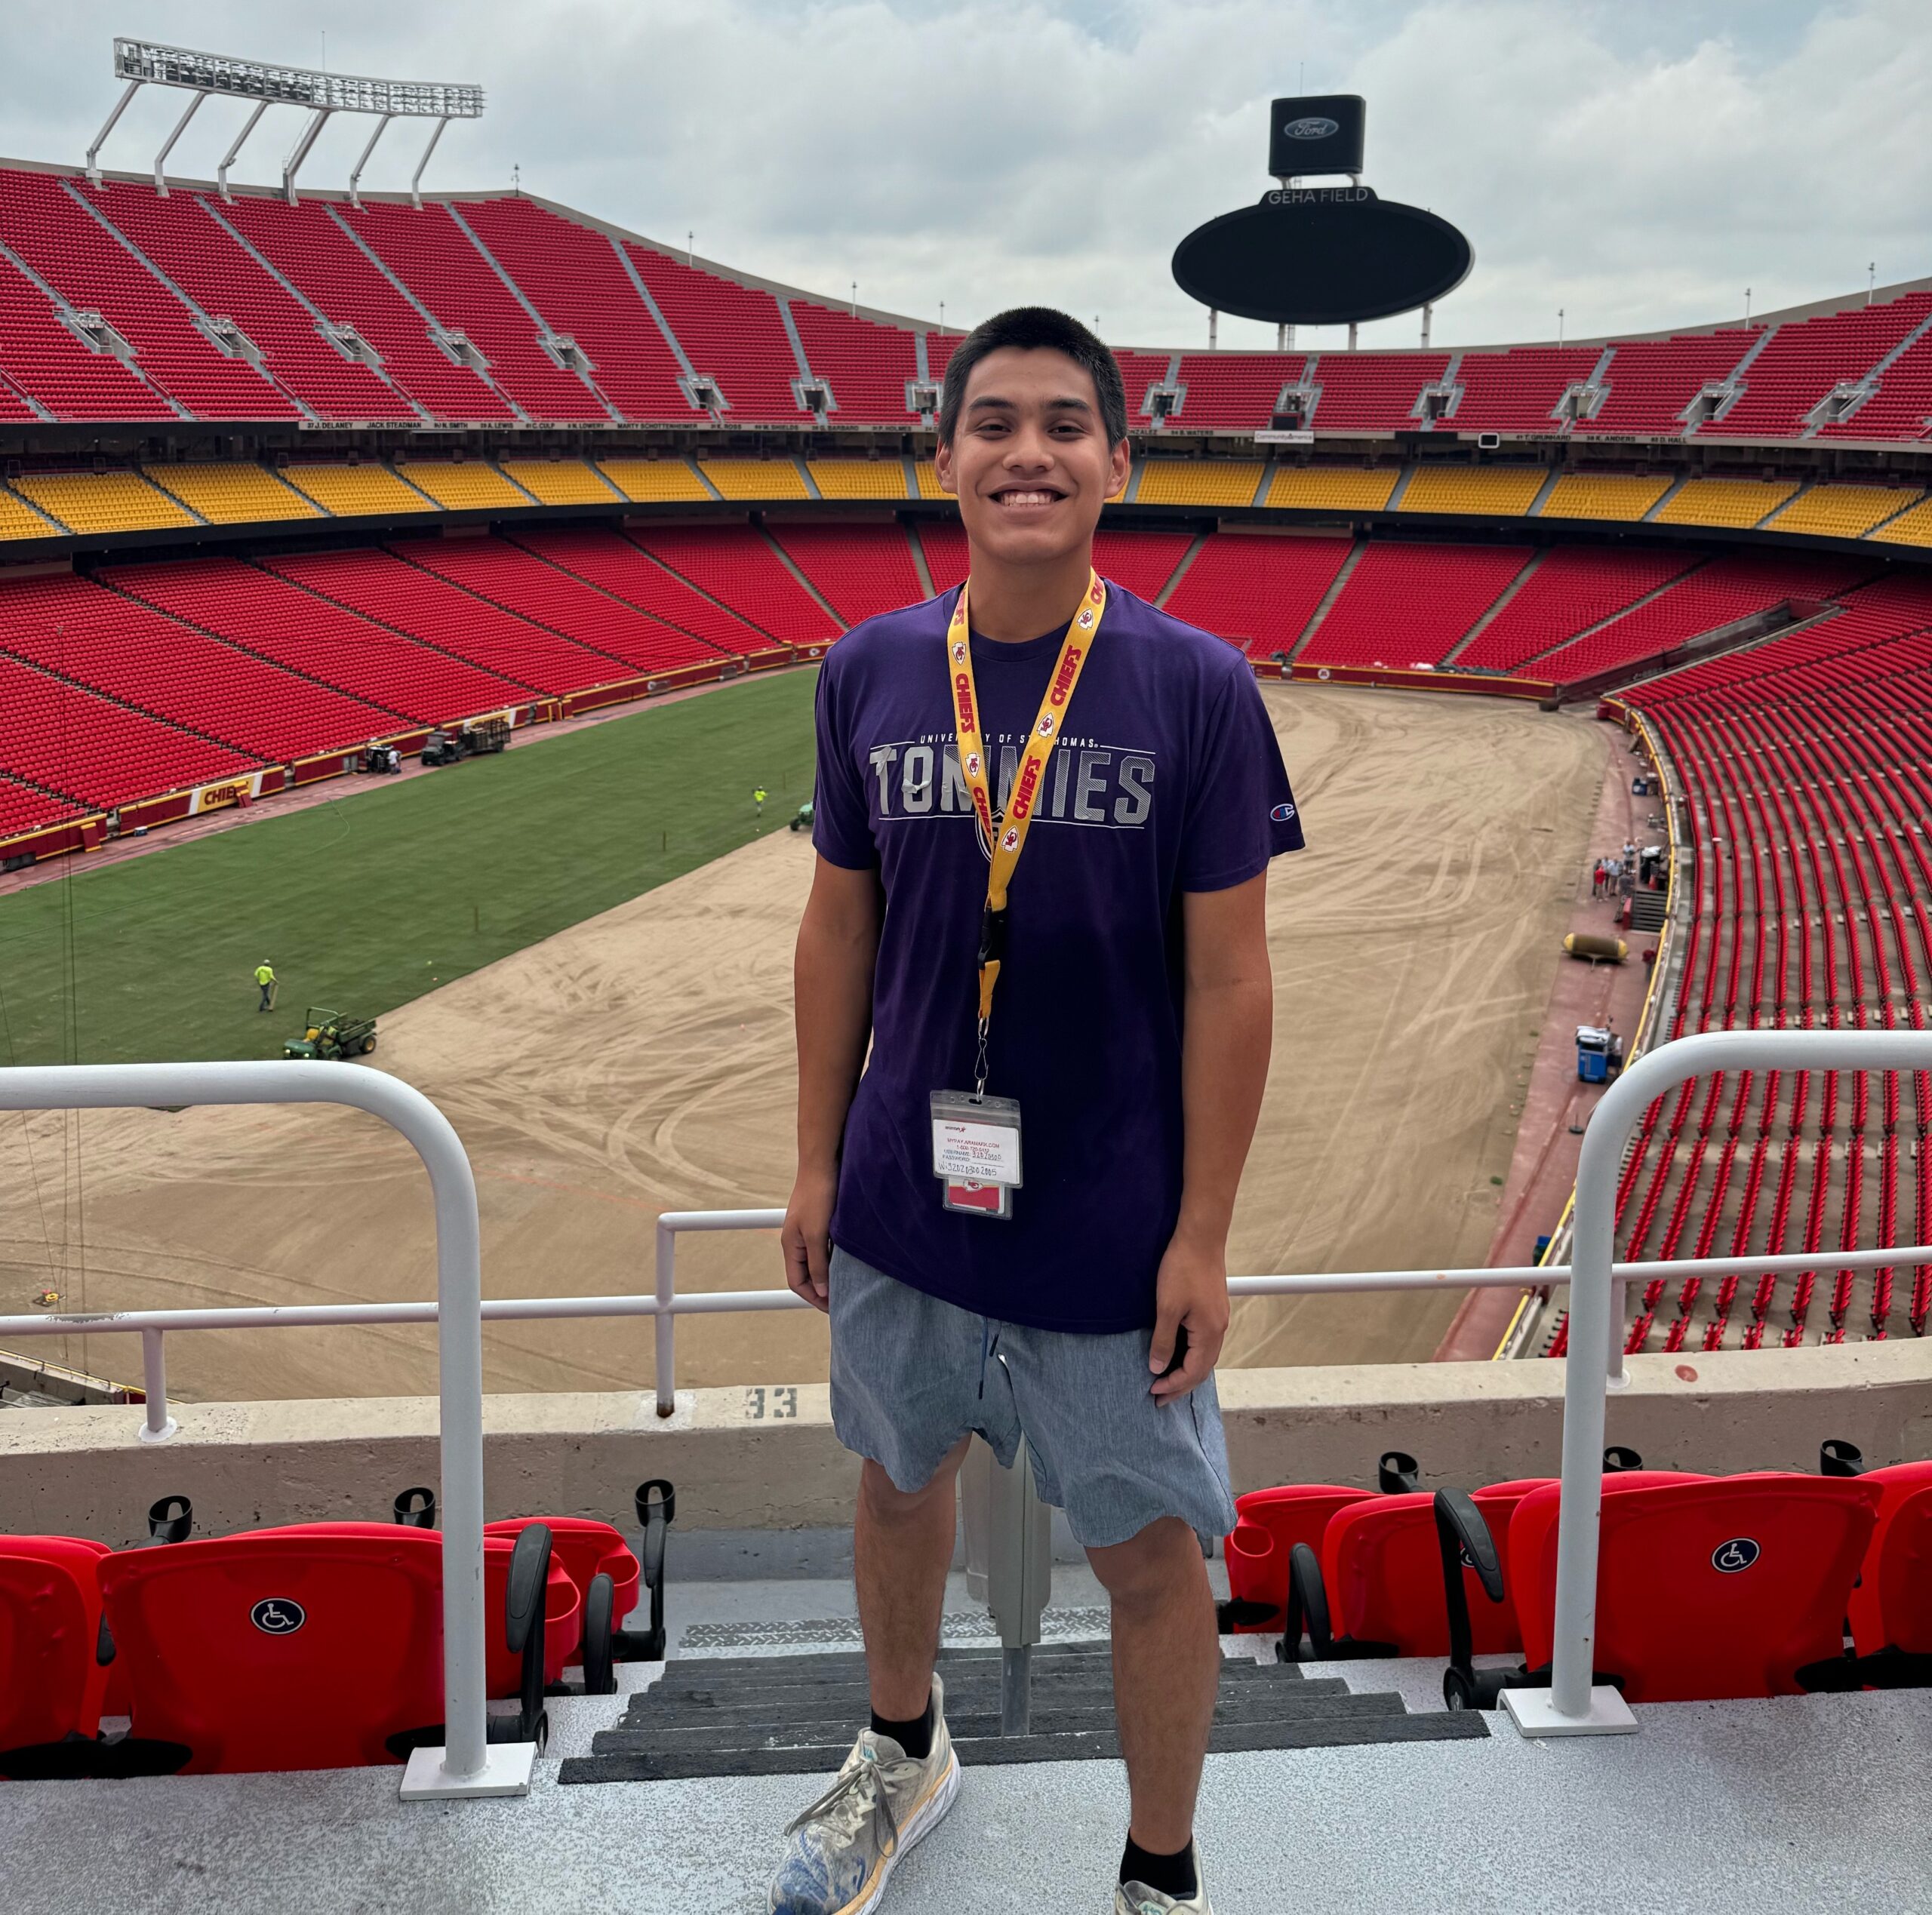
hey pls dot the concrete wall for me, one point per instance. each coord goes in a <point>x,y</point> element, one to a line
<point>765,1459</point>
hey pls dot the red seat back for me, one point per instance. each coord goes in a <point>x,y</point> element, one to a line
<point>1876,1622</point>
<point>273,1649</point>
<point>1904,1577</point>
<point>50,1686</point>
<point>1382,1566</point>
<point>1271,1523</point>
<point>1707,1588</point>
<point>562,1605</point>
<point>586,1549</point>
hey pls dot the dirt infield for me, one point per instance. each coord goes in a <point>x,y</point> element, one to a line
<point>642,1060</point>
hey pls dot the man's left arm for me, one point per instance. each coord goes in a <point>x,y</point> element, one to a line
<point>1228,1029</point>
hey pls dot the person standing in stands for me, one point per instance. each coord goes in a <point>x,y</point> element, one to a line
<point>265,982</point>
<point>1054,947</point>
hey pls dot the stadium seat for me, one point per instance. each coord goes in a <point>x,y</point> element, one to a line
<point>1712,1588</point>
<point>53,1680</point>
<point>317,1646</point>
<point>1272,1522</point>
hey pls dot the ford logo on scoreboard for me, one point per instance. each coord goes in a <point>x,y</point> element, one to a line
<point>1310,129</point>
<point>1317,134</point>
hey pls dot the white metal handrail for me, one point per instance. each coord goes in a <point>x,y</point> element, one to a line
<point>1572,1705</point>
<point>466,1764</point>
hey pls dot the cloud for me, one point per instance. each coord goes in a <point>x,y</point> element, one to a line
<point>1637,165</point>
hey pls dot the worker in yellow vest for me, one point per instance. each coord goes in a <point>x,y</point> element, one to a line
<point>265,977</point>
<point>758,797</point>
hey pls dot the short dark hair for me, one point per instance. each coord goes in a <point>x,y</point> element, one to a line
<point>1035,328</point>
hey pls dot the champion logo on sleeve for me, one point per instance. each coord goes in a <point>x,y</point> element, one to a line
<point>1282,813</point>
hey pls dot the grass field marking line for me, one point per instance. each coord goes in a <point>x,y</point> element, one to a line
<point>616,598</point>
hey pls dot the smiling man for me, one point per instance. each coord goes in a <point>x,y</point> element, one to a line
<point>1044,815</point>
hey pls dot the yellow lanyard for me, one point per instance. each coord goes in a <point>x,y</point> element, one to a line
<point>1005,842</point>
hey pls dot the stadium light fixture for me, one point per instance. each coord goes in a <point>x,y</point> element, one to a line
<point>147,62</point>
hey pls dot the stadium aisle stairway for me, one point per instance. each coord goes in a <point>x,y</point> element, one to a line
<point>859,571</point>
<point>1256,591</point>
<point>735,566</point>
<point>1405,605</point>
<point>868,366</point>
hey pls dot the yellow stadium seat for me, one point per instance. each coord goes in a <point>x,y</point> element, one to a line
<point>649,481</point>
<point>1508,490</point>
<point>858,478</point>
<point>929,485</point>
<point>1725,501</point>
<point>1842,511</point>
<point>231,493</point>
<point>18,520</point>
<point>755,478</point>
<point>102,502</point>
<point>1198,482</point>
<point>356,491</point>
<point>1913,527</point>
<point>474,485</point>
<point>1332,488</point>
<point>1626,496</point>
<point>560,481</point>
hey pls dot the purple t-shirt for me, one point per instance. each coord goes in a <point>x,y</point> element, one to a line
<point>1166,778</point>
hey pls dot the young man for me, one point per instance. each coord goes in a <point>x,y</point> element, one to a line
<point>1037,729</point>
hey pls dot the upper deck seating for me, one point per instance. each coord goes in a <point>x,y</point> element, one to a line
<point>429,253</point>
<point>1371,392</point>
<point>575,277</point>
<point>50,228</point>
<point>42,360</point>
<point>729,333</point>
<point>1653,383</point>
<point>1902,406</point>
<point>200,255</point>
<point>1804,360</point>
<point>1232,391</point>
<point>1517,390</point>
<point>310,248</point>
<point>868,365</point>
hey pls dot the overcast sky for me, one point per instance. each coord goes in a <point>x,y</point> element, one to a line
<point>1637,163</point>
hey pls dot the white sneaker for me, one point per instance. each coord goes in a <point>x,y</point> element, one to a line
<point>1136,1898</point>
<point>843,1847</point>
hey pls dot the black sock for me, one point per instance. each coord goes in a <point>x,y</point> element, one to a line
<point>915,1737</point>
<point>1173,1875</point>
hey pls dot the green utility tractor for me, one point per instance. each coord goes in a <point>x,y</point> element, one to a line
<point>328,1033</point>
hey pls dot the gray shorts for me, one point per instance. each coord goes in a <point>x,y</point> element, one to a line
<point>911,1375</point>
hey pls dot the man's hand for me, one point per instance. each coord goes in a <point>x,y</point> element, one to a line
<point>806,1236</point>
<point>1190,1294</point>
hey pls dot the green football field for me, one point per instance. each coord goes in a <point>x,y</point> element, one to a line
<point>391,889</point>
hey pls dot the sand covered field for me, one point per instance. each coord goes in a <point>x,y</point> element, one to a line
<point>642,1060</point>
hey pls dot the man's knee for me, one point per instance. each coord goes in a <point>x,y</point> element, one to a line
<point>884,1501</point>
<point>1151,1565</point>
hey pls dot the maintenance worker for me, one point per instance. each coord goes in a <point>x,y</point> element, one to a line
<point>265,977</point>
<point>758,798</point>
<point>1078,1309</point>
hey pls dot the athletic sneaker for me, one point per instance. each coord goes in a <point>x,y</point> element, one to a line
<point>1136,1898</point>
<point>843,1846</point>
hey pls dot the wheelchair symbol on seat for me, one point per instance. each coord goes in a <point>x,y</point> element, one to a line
<point>1738,1554</point>
<point>277,1616</point>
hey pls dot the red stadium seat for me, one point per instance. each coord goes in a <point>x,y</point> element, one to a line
<point>585,1550</point>
<point>52,1684</point>
<point>1271,1523</point>
<point>1706,1588</point>
<point>317,1646</point>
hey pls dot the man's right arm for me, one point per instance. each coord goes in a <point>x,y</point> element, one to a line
<point>832,990</point>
